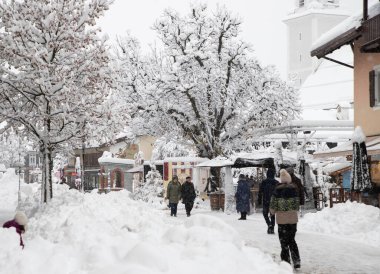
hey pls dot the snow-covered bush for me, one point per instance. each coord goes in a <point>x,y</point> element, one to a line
<point>152,191</point>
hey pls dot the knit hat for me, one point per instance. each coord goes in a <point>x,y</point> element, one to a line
<point>285,177</point>
<point>21,219</point>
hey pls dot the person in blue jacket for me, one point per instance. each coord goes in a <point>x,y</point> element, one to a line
<point>242,196</point>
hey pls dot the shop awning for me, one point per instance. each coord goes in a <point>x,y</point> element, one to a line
<point>254,159</point>
<point>373,148</point>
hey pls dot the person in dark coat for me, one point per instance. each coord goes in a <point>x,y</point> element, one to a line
<point>188,195</point>
<point>298,183</point>
<point>285,204</point>
<point>242,196</point>
<point>19,222</point>
<point>265,193</point>
<point>174,195</point>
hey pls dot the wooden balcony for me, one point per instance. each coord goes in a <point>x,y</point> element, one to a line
<point>371,35</point>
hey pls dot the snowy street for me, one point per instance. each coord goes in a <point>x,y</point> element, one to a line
<point>148,137</point>
<point>319,253</point>
<point>122,232</point>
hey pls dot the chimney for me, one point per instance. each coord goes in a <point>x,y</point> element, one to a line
<point>365,10</point>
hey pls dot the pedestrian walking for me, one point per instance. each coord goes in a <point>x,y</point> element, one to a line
<point>242,196</point>
<point>297,181</point>
<point>267,187</point>
<point>188,195</point>
<point>285,204</point>
<point>173,195</point>
<point>19,222</point>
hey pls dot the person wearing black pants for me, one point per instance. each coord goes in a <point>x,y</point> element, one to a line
<point>287,234</point>
<point>285,203</point>
<point>188,195</point>
<point>265,193</point>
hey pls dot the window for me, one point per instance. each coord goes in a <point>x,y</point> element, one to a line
<point>301,3</point>
<point>374,87</point>
<point>300,58</point>
<point>118,179</point>
<point>300,36</point>
<point>32,160</point>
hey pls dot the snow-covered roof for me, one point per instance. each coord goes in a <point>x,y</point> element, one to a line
<point>155,162</point>
<point>137,169</point>
<point>252,159</point>
<point>372,143</point>
<point>217,162</point>
<point>116,161</point>
<point>353,22</point>
<point>333,167</point>
<point>185,159</point>
<point>321,93</point>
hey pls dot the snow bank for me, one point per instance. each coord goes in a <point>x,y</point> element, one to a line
<point>111,233</point>
<point>8,190</point>
<point>354,221</point>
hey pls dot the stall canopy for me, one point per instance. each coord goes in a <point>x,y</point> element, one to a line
<point>255,159</point>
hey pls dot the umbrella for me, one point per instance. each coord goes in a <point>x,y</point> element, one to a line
<point>360,177</point>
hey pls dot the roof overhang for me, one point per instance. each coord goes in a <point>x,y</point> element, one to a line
<point>344,39</point>
<point>372,143</point>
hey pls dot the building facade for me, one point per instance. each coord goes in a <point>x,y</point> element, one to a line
<point>362,32</point>
<point>33,167</point>
<point>306,23</point>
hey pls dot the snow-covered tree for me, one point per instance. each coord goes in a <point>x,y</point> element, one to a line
<point>152,190</point>
<point>54,71</point>
<point>13,147</point>
<point>171,147</point>
<point>207,87</point>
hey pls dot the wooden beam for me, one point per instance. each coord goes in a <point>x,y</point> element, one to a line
<point>338,62</point>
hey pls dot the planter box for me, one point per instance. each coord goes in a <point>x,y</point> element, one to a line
<point>217,201</point>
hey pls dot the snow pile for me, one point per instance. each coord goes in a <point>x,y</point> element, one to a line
<point>8,190</point>
<point>357,222</point>
<point>112,233</point>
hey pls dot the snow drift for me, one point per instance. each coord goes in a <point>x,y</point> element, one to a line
<point>354,221</point>
<point>112,233</point>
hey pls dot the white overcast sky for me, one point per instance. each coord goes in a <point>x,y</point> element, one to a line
<point>262,23</point>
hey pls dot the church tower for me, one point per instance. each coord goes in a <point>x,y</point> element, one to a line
<point>309,20</point>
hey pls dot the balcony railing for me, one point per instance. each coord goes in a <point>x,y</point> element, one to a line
<point>371,35</point>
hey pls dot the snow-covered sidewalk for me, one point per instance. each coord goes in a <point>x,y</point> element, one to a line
<point>320,253</point>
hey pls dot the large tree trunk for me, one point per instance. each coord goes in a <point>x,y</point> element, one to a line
<point>47,168</point>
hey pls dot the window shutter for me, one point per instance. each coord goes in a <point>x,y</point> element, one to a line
<point>372,75</point>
